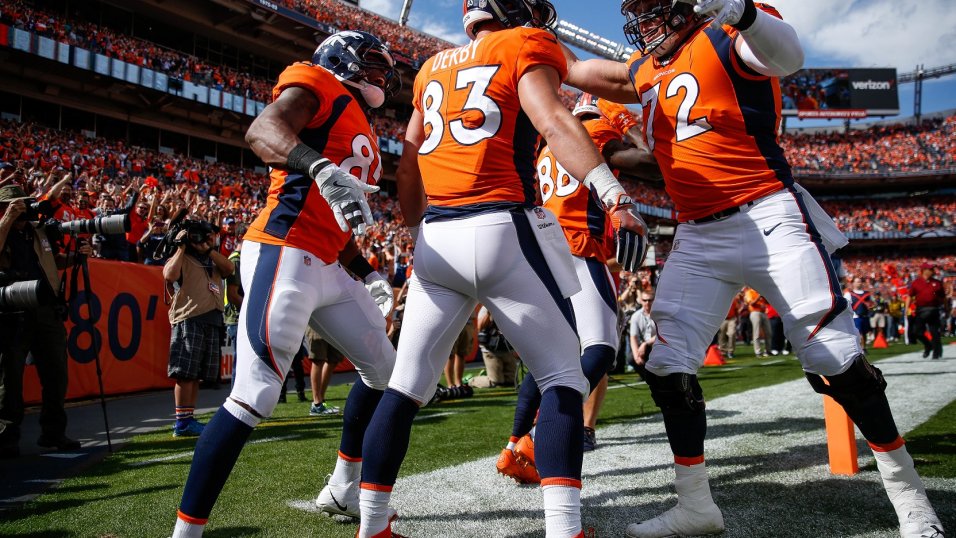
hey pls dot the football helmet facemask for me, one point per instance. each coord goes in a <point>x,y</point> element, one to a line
<point>360,60</point>
<point>653,25</point>
<point>510,13</point>
<point>586,105</point>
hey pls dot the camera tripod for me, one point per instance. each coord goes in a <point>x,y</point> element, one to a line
<point>82,266</point>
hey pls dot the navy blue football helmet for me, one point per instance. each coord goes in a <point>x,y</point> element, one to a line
<point>510,13</point>
<point>352,55</point>
<point>661,19</point>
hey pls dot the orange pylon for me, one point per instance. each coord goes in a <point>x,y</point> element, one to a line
<point>880,341</point>
<point>714,357</point>
<point>841,439</point>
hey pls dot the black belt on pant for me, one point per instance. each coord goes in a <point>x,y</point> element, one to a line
<point>720,215</point>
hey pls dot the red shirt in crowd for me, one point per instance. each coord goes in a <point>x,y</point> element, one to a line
<point>137,227</point>
<point>927,292</point>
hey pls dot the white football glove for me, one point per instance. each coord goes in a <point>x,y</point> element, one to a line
<point>723,11</point>
<point>381,292</point>
<point>346,196</point>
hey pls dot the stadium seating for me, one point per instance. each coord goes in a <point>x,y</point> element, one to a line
<point>884,149</point>
<point>240,192</point>
<point>102,40</point>
<point>877,150</point>
<point>873,269</point>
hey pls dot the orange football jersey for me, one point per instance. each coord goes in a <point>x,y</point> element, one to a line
<point>296,215</point>
<point>712,123</point>
<point>580,213</point>
<point>479,145</point>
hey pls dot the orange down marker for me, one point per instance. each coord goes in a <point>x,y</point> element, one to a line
<point>841,439</point>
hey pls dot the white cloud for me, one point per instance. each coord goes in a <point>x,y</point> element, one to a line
<point>390,8</point>
<point>419,20</point>
<point>870,33</point>
<point>455,34</point>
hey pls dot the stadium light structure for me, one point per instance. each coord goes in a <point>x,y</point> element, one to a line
<point>917,77</point>
<point>406,9</point>
<point>591,42</point>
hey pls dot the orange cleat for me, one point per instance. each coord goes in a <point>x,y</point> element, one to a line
<point>387,531</point>
<point>524,449</point>
<point>510,465</point>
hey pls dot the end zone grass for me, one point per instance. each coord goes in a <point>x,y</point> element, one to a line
<point>135,492</point>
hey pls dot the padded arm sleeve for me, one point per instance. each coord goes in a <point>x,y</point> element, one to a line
<point>770,46</point>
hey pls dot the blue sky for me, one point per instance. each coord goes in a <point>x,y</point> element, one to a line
<point>834,33</point>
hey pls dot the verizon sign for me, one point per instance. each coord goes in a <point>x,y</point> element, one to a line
<point>872,85</point>
<point>840,93</point>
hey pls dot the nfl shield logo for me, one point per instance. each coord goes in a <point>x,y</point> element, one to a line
<point>539,213</point>
<point>307,260</point>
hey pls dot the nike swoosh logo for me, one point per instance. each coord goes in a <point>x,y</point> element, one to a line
<point>337,184</point>
<point>336,501</point>
<point>770,231</point>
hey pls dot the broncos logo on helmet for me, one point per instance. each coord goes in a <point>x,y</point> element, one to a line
<point>360,60</point>
<point>653,25</point>
<point>586,105</point>
<point>510,13</point>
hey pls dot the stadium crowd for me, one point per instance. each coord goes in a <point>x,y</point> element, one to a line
<point>101,170</point>
<point>114,44</point>
<point>879,149</point>
<point>415,47</point>
<point>896,214</point>
<point>187,67</point>
<point>878,271</point>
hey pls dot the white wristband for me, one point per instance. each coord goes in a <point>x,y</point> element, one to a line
<point>607,186</point>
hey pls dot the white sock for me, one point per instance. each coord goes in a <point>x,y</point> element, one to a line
<point>241,413</point>
<point>187,530</point>
<point>903,485</point>
<point>511,443</point>
<point>562,511</point>
<point>346,471</point>
<point>374,508</point>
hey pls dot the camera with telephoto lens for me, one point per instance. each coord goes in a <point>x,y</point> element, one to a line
<point>111,225</point>
<point>196,232</point>
<point>18,294</point>
<point>42,211</point>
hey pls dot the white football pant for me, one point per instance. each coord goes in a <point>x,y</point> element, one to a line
<point>595,306</point>
<point>491,258</point>
<point>286,289</point>
<point>773,247</point>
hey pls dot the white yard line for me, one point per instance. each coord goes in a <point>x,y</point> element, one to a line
<point>766,450</point>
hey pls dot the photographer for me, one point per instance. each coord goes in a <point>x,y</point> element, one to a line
<point>27,254</point>
<point>501,364</point>
<point>196,272</point>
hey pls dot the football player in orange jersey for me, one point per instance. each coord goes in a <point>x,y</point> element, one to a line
<point>469,156</point>
<point>584,223</point>
<point>707,78</point>
<point>316,137</point>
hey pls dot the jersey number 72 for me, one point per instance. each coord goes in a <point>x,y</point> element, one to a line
<point>685,128</point>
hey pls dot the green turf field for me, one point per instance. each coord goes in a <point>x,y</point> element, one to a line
<point>135,492</point>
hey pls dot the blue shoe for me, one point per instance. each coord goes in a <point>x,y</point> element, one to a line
<point>322,409</point>
<point>193,428</point>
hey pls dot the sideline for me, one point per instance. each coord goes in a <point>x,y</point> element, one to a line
<point>767,453</point>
